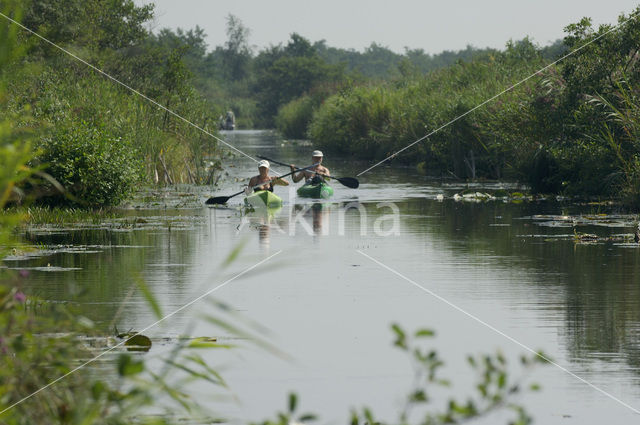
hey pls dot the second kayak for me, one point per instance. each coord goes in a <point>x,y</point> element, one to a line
<point>317,190</point>
<point>263,199</point>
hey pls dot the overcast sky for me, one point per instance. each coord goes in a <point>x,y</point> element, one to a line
<point>430,25</point>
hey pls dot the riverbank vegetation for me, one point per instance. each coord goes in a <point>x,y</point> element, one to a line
<point>570,129</point>
<point>94,138</point>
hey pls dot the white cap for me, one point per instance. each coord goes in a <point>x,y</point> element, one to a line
<point>316,153</point>
<point>263,163</point>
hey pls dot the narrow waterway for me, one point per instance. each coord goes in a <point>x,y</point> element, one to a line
<point>481,274</point>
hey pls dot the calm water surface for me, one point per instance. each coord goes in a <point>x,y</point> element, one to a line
<point>329,307</point>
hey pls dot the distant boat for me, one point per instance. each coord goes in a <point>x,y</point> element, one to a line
<point>228,122</point>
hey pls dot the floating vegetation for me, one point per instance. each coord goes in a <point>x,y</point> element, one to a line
<point>32,251</point>
<point>623,240</point>
<point>135,341</point>
<point>499,195</point>
<point>59,216</point>
<point>138,343</point>
<point>171,222</point>
<point>603,220</point>
<point>592,220</point>
<point>474,197</point>
<point>47,268</point>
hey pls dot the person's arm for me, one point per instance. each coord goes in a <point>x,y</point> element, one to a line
<point>296,177</point>
<point>323,173</point>
<point>278,181</point>
<point>249,188</point>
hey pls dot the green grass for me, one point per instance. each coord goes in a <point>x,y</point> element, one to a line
<point>36,215</point>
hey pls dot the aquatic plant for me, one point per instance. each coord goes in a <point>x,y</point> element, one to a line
<point>495,386</point>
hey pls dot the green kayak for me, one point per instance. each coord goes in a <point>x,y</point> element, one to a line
<point>263,199</point>
<point>262,213</point>
<point>318,190</point>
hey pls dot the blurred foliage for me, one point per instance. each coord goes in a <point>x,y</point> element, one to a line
<point>43,343</point>
<point>495,386</point>
<point>50,354</point>
<point>15,140</point>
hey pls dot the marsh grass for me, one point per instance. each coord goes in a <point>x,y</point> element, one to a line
<point>42,215</point>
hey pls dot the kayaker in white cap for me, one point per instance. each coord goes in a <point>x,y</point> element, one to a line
<point>314,173</point>
<point>264,179</point>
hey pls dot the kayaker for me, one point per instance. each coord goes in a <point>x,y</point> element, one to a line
<point>263,180</point>
<point>314,174</point>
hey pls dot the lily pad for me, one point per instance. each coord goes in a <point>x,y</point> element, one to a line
<point>136,342</point>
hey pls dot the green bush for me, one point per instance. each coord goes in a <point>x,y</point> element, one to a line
<point>294,117</point>
<point>355,121</point>
<point>95,168</point>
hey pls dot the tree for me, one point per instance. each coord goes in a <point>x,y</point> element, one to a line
<point>95,24</point>
<point>236,53</point>
<point>599,66</point>
<point>283,74</point>
<point>299,47</point>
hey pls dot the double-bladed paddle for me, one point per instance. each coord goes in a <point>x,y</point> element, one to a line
<point>350,182</point>
<point>223,199</point>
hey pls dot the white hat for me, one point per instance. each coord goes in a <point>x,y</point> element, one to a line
<point>316,153</point>
<point>263,163</point>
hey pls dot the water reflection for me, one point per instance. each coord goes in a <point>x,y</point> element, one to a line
<point>263,232</point>
<point>298,219</point>
<point>595,286</point>
<point>263,220</point>
<point>316,213</point>
<point>102,265</point>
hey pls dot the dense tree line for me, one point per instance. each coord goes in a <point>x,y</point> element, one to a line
<point>256,85</point>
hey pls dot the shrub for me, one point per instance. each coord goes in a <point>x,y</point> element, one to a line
<point>294,117</point>
<point>95,168</point>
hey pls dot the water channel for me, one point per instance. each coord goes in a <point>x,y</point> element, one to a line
<point>481,274</point>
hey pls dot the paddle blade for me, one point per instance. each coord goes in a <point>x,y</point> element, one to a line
<point>217,200</point>
<point>351,182</point>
